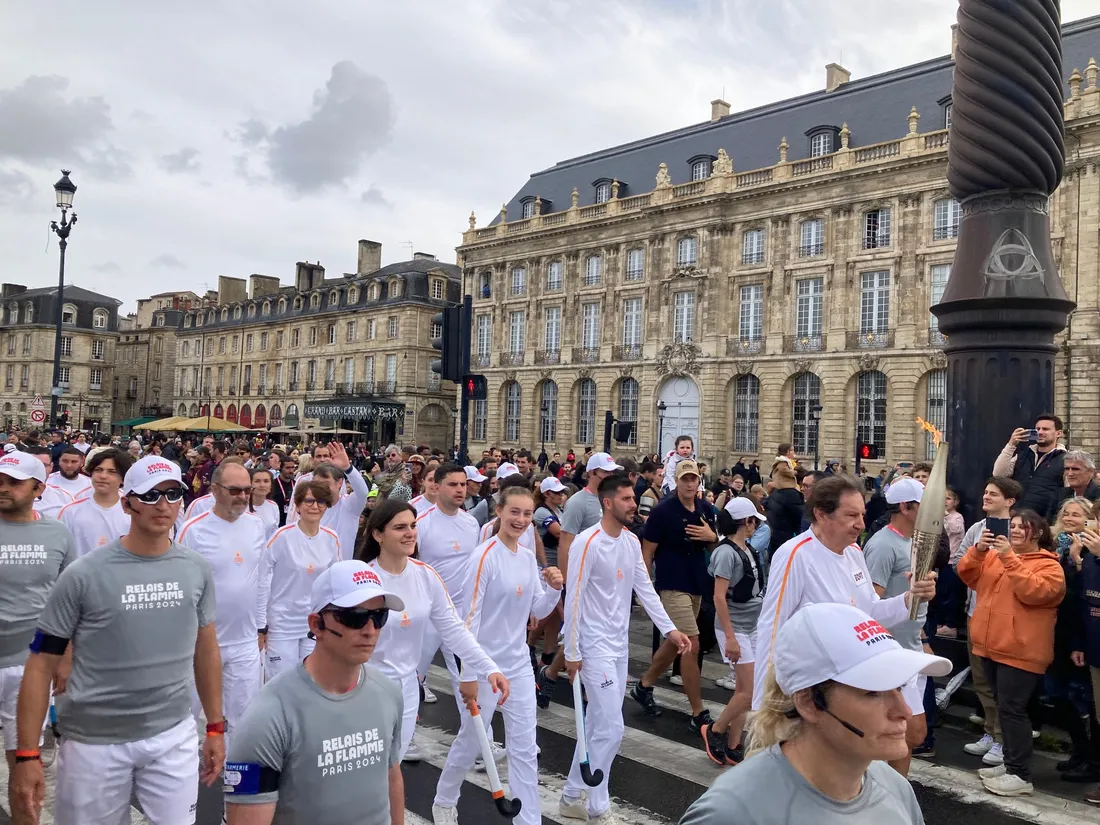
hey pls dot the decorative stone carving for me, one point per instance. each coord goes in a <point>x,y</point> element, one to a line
<point>584,373</point>
<point>510,375</point>
<point>576,197</point>
<point>939,359</point>
<point>664,180</point>
<point>538,206</point>
<point>914,121</point>
<point>845,136</point>
<point>626,372</point>
<point>783,147</point>
<point>614,190</point>
<point>544,375</point>
<point>722,166</point>
<point>868,362</point>
<point>473,220</point>
<point>678,359</point>
<point>504,213</point>
<point>744,367</point>
<point>802,364</point>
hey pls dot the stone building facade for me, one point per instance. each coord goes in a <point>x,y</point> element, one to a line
<point>89,336</point>
<point>144,381</point>
<point>658,281</point>
<point>350,352</point>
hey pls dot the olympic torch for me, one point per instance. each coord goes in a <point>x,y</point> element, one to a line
<point>933,508</point>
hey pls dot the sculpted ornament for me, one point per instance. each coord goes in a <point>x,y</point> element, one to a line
<point>724,165</point>
<point>939,359</point>
<point>678,359</point>
<point>584,373</point>
<point>868,362</point>
<point>663,178</point>
<point>510,375</point>
<point>744,367</point>
<point>802,365</point>
<point>626,372</point>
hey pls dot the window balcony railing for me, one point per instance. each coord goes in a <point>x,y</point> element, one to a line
<point>386,387</point>
<point>232,390</point>
<point>246,390</point>
<point>586,355</point>
<point>261,390</point>
<point>803,343</point>
<point>330,383</point>
<point>293,386</point>
<point>511,359</point>
<point>811,250</point>
<point>482,359</point>
<point>548,356</point>
<point>872,339</point>
<point>743,346</point>
<point>311,386</point>
<point>626,352</point>
<point>752,258</point>
<point>219,389</point>
<point>936,338</point>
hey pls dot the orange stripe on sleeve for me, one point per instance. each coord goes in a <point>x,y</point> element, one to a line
<point>196,520</point>
<point>477,581</point>
<point>577,589</point>
<point>782,591</point>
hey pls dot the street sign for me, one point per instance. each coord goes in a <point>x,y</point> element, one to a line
<point>38,410</point>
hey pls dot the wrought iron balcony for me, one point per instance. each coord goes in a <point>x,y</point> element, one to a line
<point>311,386</point>
<point>293,386</point>
<point>811,250</point>
<point>626,352</point>
<point>232,390</point>
<point>548,356</point>
<point>386,387</point>
<point>330,383</point>
<point>743,346</point>
<point>511,359</point>
<point>482,359</point>
<point>874,339</point>
<point>246,390</point>
<point>803,343</point>
<point>586,355</point>
<point>936,338</point>
<point>219,390</point>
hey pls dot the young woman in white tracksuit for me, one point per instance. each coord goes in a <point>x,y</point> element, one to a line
<point>505,589</point>
<point>296,555</point>
<point>605,565</point>
<point>388,547</point>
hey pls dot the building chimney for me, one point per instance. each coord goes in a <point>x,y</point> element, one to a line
<point>370,257</point>
<point>231,290</point>
<point>261,285</point>
<point>424,256</point>
<point>836,76</point>
<point>954,39</point>
<point>719,109</point>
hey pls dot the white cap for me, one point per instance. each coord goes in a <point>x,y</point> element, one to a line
<point>740,507</point>
<point>550,484</point>
<point>472,473</point>
<point>840,643</point>
<point>903,490</point>
<point>349,584</point>
<point>602,461</point>
<point>506,469</point>
<point>10,448</point>
<point>148,473</point>
<point>21,466</point>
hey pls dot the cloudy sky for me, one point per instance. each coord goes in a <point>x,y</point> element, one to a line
<point>225,138</point>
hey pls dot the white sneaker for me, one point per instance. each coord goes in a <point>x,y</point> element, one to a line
<point>995,756</point>
<point>429,697</point>
<point>500,754</point>
<point>1008,785</point>
<point>992,773</point>
<point>573,808</point>
<point>676,680</point>
<point>981,747</point>
<point>975,719</point>
<point>726,682</point>
<point>1035,734</point>
<point>412,753</point>
<point>444,816</point>
<point>606,818</point>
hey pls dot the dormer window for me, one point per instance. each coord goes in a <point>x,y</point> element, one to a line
<point>701,166</point>
<point>225,314</point>
<point>236,313</point>
<point>282,306</point>
<point>603,190</point>
<point>68,315</point>
<point>334,298</point>
<point>298,304</point>
<point>314,301</point>
<point>395,289</point>
<point>187,321</point>
<point>28,312</point>
<point>211,317</point>
<point>251,310</point>
<point>821,144</point>
<point>528,205</point>
<point>372,292</point>
<point>353,295</point>
<point>158,321</point>
<point>265,310</point>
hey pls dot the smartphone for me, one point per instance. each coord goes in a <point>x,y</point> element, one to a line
<point>408,467</point>
<point>997,526</point>
<point>1032,436</point>
<point>1090,524</point>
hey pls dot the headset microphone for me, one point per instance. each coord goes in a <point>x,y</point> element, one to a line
<point>818,697</point>
<point>341,635</point>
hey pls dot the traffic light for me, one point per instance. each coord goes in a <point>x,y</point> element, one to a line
<point>475,387</point>
<point>624,431</point>
<point>450,364</point>
<point>867,451</point>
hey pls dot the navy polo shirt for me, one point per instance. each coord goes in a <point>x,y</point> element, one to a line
<point>680,562</point>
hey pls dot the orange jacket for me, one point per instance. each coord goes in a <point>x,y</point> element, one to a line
<point>1018,598</point>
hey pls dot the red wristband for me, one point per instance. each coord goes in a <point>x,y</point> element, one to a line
<point>215,728</point>
<point>29,754</point>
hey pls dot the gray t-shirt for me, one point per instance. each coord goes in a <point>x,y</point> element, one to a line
<point>582,510</point>
<point>32,554</point>
<point>333,752</point>
<point>133,622</point>
<point>888,560</point>
<point>766,790</point>
<point>726,562</point>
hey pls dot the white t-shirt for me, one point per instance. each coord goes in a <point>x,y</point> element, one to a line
<point>603,570</point>
<point>269,515</point>
<point>804,571</point>
<point>236,552</point>
<point>401,641</point>
<point>447,543</point>
<point>294,561</point>
<point>51,501</point>
<point>75,487</point>
<point>420,503</point>
<point>526,540</point>
<point>93,526</point>
<point>203,504</point>
<point>82,446</point>
<point>505,589</point>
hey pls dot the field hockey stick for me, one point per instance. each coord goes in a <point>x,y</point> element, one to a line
<point>592,778</point>
<point>507,807</point>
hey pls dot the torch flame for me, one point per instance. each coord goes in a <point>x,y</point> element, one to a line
<point>937,436</point>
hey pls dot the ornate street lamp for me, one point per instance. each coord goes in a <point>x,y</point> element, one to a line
<point>64,190</point>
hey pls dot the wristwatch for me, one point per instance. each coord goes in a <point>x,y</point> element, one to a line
<point>215,728</point>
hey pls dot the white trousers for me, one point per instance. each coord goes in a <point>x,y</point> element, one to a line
<point>242,678</point>
<point>285,654</point>
<point>10,680</point>
<point>604,682</point>
<point>410,695</point>
<point>519,714</point>
<point>95,782</point>
<point>432,643</point>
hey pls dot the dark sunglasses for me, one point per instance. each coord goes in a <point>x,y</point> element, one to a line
<point>172,496</point>
<point>355,618</point>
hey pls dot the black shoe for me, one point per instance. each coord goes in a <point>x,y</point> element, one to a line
<point>644,697</point>
<point>1074,762</point>
<point>544,688</point>
<point>1085,772</point>
<point>924,752</point>
<point>701,721</point>
<point>714,744</point>
<point>547,658</point>
<point>735,756</point>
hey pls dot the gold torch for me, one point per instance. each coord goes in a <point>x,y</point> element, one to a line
<point>933,508</point>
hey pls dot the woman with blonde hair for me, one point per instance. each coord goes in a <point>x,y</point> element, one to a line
<point>832,716</point>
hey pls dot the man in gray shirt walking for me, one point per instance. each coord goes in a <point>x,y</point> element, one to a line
<point>140,615</point>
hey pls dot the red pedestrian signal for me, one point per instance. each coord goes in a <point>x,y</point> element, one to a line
<point>475,387</point>
<point>868,452</point>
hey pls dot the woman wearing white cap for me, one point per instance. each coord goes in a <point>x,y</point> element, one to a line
<point>738,597</point>
<point>832,714</point>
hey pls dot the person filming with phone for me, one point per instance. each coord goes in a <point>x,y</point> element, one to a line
<point>1035,458</point>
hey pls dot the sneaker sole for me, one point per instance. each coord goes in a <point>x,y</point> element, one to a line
<point>1020,792</point>
<point>706,747</point>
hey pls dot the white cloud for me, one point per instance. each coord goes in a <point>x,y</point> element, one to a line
<point>167,261</point>
<point>185,160</point>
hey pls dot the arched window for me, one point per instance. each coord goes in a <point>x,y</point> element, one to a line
<point>231,414</point>
<point>194,411</point>
<point>935,408</point>
<point>334,298</point>
<point>805,395</point>
<point>225,313</point>
<point>548,411</point>
<point>265,310</point>
<point>68,316</point>
<point>187,321</point>
<point>513,399</point>
<point>282,305</point>
<point>353,295</point>
<point>211,317</point>
<point>372,292</point>
<point>246,416</point>
<point>687,251</point>
<point>261,417</point>
<point>871,409</point>
<point>28,312</point>
<point>182,411</point>
<point>628,405</point>
<point>298,303</point>
<point>219,411</point>
<point>314,301</point>
<point>236,313</point>
<point>276,415</point>
<point>746,414</point>
<point>586,411</point>
<point>251,310</point>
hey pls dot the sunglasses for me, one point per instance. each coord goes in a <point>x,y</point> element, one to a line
<point>355,618</point>
<point>172,496</point>
<point>236,491</point>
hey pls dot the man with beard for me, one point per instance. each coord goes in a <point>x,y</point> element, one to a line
<point>51,498</point>
<point>68,476</point>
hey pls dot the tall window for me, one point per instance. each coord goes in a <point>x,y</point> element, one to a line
<point>95,379</point>
<point>593,270</point>
<point>295,337</point>
<point>437,289</point>
<point>278,376</point>
<point>700,170</point>
<point>293,375</point>
<point>519,280</point>
<point>940,273</point>
<point>628,405</point>
<point>368,370</point>
<point>67,346</point>
<point>552,341</point>
<point>263,378</point>
<point>946,216</point>
<point>313,336</point>
<point>603,192</point>
<point>392,326</point>
<point>821,144</point>
<point>805,395</point>
<point>370,329</point>
<point>263,341</point>
<point>65,372</point>
<point>528,209</point>
<point>683,316</point>
<point>554,278</point>
<point>751,322</point>
<point>590,326</point>
<point>481,419</point>
<point>586,411</point>
<point>632,322</point>
<point>513,399</point>
<point>808,306</point>
<point>517,332</point>
<point>349,372</point>
<point>947,116</point>
<point>349,336</point>
<point>746,413</point>
<point>874,302</point>
<point>687,251</point>
<point>548,411</point>
<point>813,238</point>
<point>484,334</point>
<point>391,369</point>
<point>935,408</point>
<point>635,264</point>
<point>871,409</point>
<point>752,247</point>
<point>236,343</point>
<point>249,342</point>
<point>876,229</point>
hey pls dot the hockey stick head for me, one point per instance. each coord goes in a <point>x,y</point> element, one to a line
<point>507,807</point>
<point>591,778</point>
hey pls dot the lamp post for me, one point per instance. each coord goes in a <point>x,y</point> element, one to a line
<point>1004,301</point>
<point>815,411</point>
<point>661,407</point>
<point>64,191</point>
<point>542,426</point>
